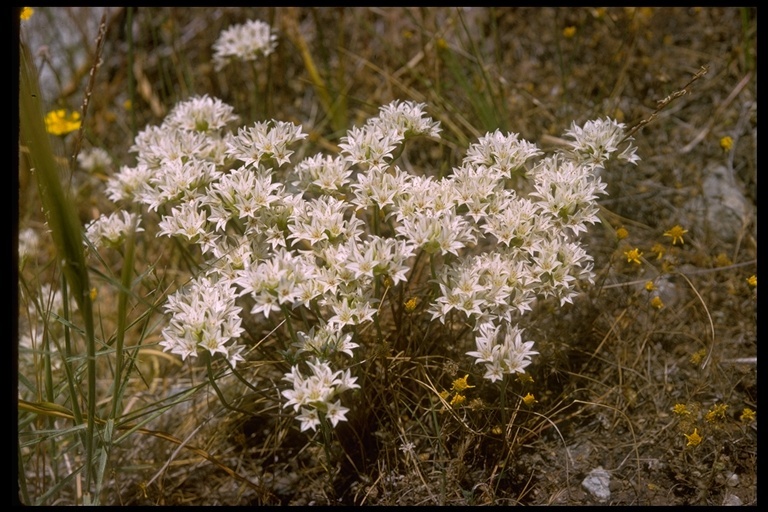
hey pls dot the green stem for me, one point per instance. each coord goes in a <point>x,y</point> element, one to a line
<point>122,313</point>
<point>325,428</point>
<point>131,79</point>
<point>376,227</point>
<point>503,399</point>
<point>212,380</point>
<point>377,294</point>
<point>289,324</point>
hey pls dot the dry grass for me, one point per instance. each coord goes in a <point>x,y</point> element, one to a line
<point>611,366</point>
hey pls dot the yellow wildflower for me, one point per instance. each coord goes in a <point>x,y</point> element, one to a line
<point>657,303</point>
<point>752,281</point>
<point>659,250</point>
<point>524,378</point>
<point>649,286</point>
<point>477,404</point>
<point>676,233</point>
<point>693,439</point>
<point>747,415</point>
<point>716,413</point>
<point>633,255</point>
<point>622,233</point>
<point>569,32</point>
<point>726,143</point>
<point>529,399</point>
<point>680,409</point>
<point>410,304</point>
<point>697,357</point>
<point>93,294</point>
<point>722,260</point>
<point>460,385</point>
<point>458,400</point>
<point>59,122</point>
<point>27,13</point>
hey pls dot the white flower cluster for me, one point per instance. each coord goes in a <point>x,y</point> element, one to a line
<point>111,230</point>
<point>512,355</point>
<point>313,240</point>
<point>204,317</point>
<point>29,244</point>
<point>248,41</point>
<point>94,160</point>
<point>317,392</point>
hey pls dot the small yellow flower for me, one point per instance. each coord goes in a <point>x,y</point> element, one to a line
<point>458,400</point>
<point>657,303</point>
<point>726,143</point>
<point>697,357</point>
<point>747,415</point>
<point>676,233</point>
<point>529,399</point>
<point>752,281</point>
<point>622,233</point>
<point>460,385</point>
<point>658,250</point>
<point>633,255</point>
<point>442,44</point>
<point>524,378</point>
<point>569,32</point>
<point>649,286</point>
<point>716,413</point>
<point>93,294</point>
<point>59,122</point>
<point>27,13</point>
<point>477,404</point>
<point>722,260</point>
<point>680,409</point>
<point>444,395</point>
<point>693,439</point>
<point>410,304</point>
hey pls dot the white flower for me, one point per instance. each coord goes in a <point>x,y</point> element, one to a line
<point>128,183</point>
<point>29,244</point>
<point>371,145</point>
<point>200,114</point>
<point>325,172</point>
<point>263,141</point>
<point>187,220</point>
<point>203,316</point>
<point>247,42</point>
<point>111,230</point>
<point>445,232</point>
<point>504,153</point>
<point>336,413</point>
<point>594,143</point>
<point>309,419</point>
<point>95,160</point>
<point>512,355</point>
<point>407,119</point>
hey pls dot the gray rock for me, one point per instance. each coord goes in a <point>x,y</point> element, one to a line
<point>722,205</point>
<point>598,483</point>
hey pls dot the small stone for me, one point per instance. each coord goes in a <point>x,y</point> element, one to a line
<point>598,483</point>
